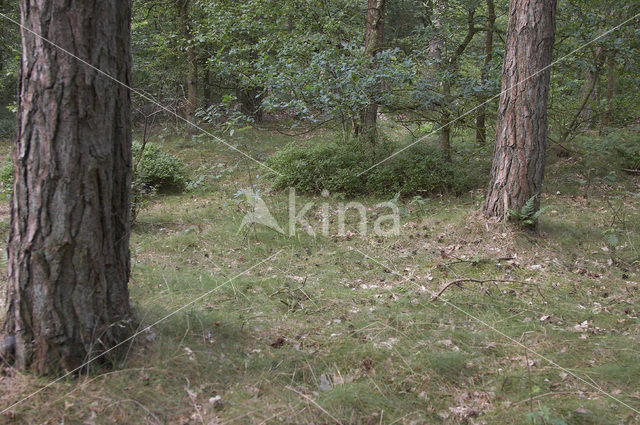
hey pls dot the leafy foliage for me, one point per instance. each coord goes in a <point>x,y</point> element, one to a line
<point>330,166</point>
<point>159,170</point>
<point>335,167</point>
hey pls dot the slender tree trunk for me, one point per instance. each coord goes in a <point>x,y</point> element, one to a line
<point>448,65</point>
<point>434,14</point>
<point>445,120</point>
<point>374,37</point>
<point>521,134</point>
<point>575,123</point>
<point>481,131</point>
<point>445,136</point>
<point>590,92</point>
<point>611,81</point>
<point>192,59</point>
<point>206,86</point>
<point>251,102</point>
<point>67,296</point>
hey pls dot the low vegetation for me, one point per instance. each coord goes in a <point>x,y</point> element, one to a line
<point>345,329</point>
<point>344,168</point>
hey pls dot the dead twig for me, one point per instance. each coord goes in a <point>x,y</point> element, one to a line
<point>312,401</point>
<point>457,282</point>
<point>475,261</point>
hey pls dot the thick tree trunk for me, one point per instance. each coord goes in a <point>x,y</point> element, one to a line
<point>521,134</point>
<point>67,296</point>
<point>192,60</point>
<point>481,131</point>
<point>374,37</point>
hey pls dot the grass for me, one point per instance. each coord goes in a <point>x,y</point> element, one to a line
<point>322,334</point>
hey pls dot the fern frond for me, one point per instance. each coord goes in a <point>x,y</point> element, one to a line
<point>529,208</point>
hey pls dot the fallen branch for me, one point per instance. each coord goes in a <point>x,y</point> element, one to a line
<point>475,261</point>
<point>631,171</point>
<point>457,282</point>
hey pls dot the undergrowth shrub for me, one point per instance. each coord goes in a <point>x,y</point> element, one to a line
<point>332,167</point>
<point>596,161</point>
<point>158,169</point>
<point>619,148</point>
<point>420,169</point>
<point>630,157</point>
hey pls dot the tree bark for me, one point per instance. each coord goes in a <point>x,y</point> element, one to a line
<point>521,134</point>
<point>67,295</point>
<point>373,40</point>
<point>481,131</point>
<point>192,59</point>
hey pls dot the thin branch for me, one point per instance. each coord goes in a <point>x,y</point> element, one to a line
<point>457,282</point>
<point>322,409</point>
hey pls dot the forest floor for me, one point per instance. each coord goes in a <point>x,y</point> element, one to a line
<point>346,329</point>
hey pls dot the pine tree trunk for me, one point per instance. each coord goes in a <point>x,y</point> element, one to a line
<point>521,134</point>
<point>481,131</point>
<point>374,37</point>
<point>67,295</point>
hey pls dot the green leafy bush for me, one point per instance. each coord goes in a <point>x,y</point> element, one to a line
<point>332,167</point>
<point>335,167</point>
<point>159,170</point>
<point>418,170</point>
